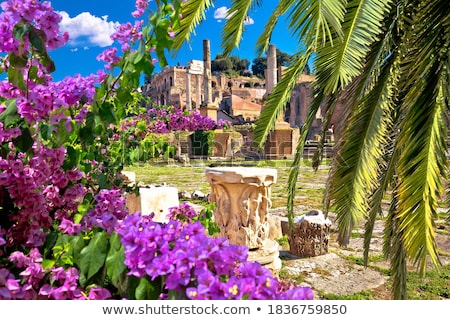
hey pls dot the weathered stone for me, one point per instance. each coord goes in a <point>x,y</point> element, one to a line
<point>242,197</point>
<point>130,176</point>
<point>268,255</point>
<point>275,231</point>
<point>184,195</point>
<point>198,195</point>
<point>309,235</point>
<point>133,202</point>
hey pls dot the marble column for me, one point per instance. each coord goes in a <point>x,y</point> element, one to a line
<point>188,90</point>
<point>207,73</point>
<point>199,92</point>
<point>242,198</point>
<point>271,73</point>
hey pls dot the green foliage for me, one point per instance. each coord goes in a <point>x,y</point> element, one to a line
<point>230,65</point>
<point>202,142</point>
<point>206,219</point>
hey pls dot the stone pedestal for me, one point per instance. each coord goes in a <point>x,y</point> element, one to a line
<point>242,197</point>
<point>309,235</point>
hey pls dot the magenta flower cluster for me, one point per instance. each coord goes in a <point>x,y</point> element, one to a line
<point>38,13</point>
<point>33,283</point>
<point>110,207</point>
<point>168,119</point>
<point>183,213</point>
<point>39,190</point>
<point>195,264</point>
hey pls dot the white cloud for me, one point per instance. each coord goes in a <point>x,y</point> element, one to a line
<point>222,13</point>
<point>248,21</point>
<point>88,29</point>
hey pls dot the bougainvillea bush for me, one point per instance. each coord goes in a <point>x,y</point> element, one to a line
<point>149,133</point>
<point>65,230</point>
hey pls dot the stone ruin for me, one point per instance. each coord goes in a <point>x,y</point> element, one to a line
<point>242,197</point>
<point>309,235</point>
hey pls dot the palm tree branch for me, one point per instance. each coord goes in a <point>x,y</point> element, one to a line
<point>264,39</point>
<point>234,26</point>
<point>358,157</point>
<point>193,13</point>
<point>340,62</point>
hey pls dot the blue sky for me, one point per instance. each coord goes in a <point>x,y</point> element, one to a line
<point>90,23</point>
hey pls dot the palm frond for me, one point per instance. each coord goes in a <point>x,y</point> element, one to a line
<point>193,13</point>
<point>358,157</point>
<point>234,26</point>
<point>385,180</point>
<point>341,61</point>
<point>422,163</point>
<point>317,21</point>
<point>278,98</point>
<point>398,257</point>
<point>264,39</point>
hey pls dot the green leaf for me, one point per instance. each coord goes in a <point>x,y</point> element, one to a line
<point>102,181</point>
<point>148,290</point>
<point>17,61</point>
<point>106,113</point>
<point>115,266</point>
<point>20,29</point>
<point>24,142</point>
<point>37,38</point>
<point>9,115</point>
<point>78,243</point>
<point>92,257</point>
<point>47,264</point>
<point>15,77</point>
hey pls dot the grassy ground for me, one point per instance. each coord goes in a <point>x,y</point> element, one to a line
<point>310,186</point>
<point>310,191</point>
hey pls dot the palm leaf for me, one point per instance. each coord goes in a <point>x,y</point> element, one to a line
<point>234,26</point>
<point>193,13</point>
<point>262,44</point>
<point>338,63</point>
<point>357,159</point>
<point>421,167</point>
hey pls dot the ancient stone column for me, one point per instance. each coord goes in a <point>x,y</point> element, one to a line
<point>271,73</point>
<point>188,90</point>
<point>242,198</point>
<point>207,73</point>
<point>199,92</point>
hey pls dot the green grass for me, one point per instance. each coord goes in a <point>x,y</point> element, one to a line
<point>192,177</point>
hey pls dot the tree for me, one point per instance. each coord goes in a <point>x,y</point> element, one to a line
<point>259,65</point>
<point>388,63</point>
<point>229,65</point>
